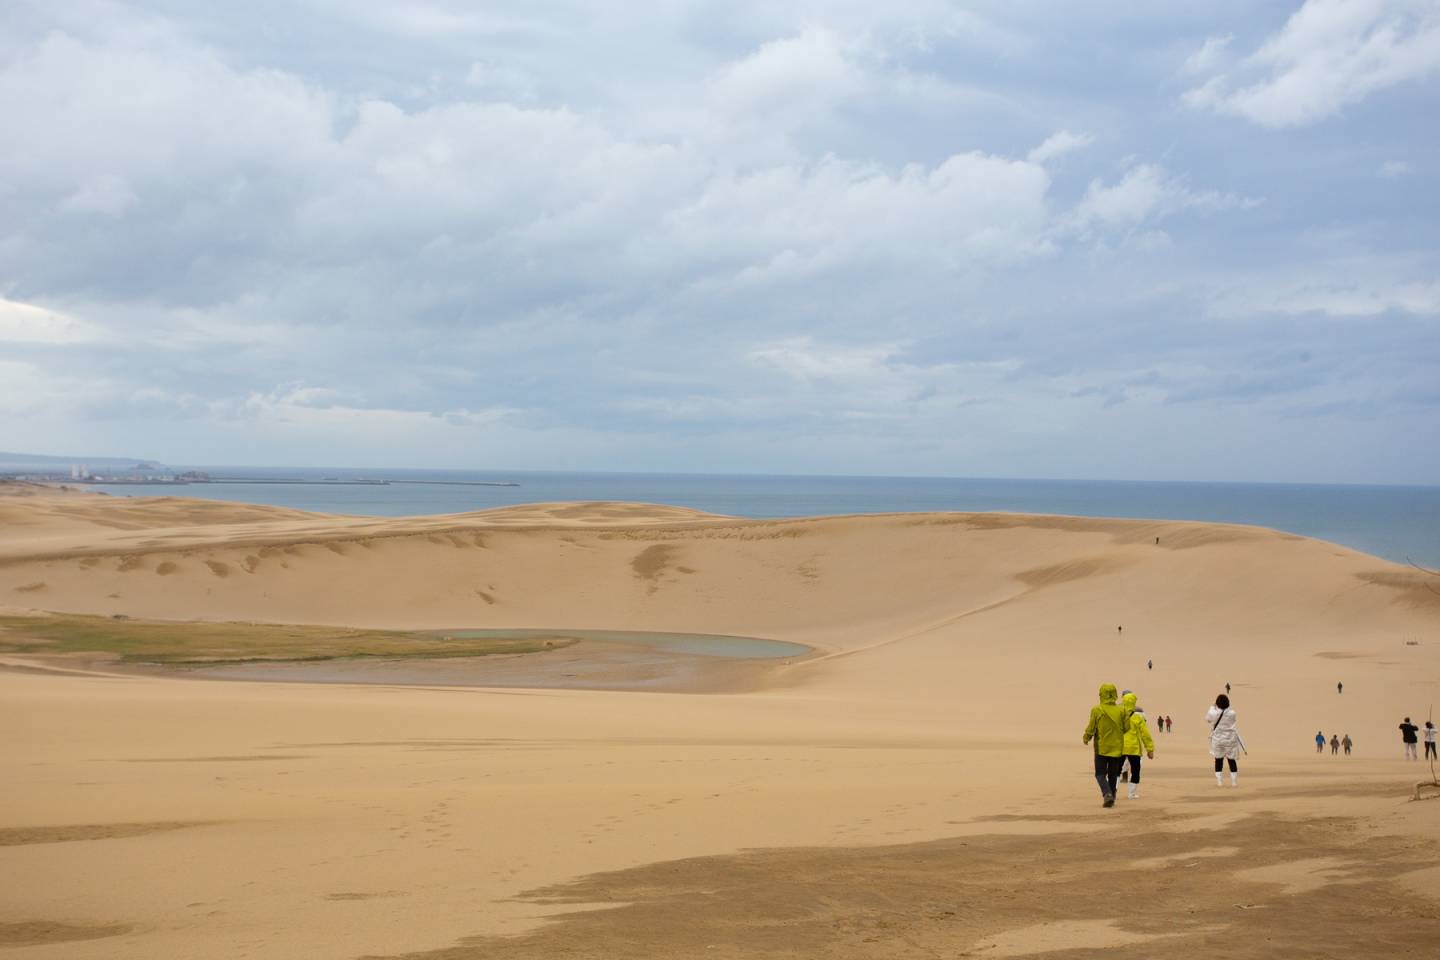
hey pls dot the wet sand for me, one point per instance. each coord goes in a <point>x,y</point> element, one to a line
<point>586,665</point>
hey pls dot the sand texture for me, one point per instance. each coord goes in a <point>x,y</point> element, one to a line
<point>913,787</point>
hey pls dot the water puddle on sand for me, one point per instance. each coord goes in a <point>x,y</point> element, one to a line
<point>699,644</point>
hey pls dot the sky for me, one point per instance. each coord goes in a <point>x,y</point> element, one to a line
<point>1004,239</point>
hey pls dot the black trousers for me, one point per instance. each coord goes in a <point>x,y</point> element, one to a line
<point>1107,773</point>
<point>1429,748</point>
<point>1218,762</point>
<point>1134,759</point>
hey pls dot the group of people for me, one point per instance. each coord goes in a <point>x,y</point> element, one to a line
<point>1121,733</point>
<point>1408,735</point>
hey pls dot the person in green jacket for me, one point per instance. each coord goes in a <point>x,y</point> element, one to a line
<point>1137,738</point>
<point>1107,729</point>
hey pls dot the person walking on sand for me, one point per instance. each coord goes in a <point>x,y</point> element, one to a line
<point>1169,724</point>
<point>1407,734</point>
<point>1149,664</point>
<point>1224,739</point>
<point>1137,738</point>
<point>1430,740</point>
<point>1319,741</point>
<point>1227,688</point>
<point>1334,744</point>
<point>1339,688</point>
<point>1124,769</point>
<point>1107,729</point>
<point>1347,743</point>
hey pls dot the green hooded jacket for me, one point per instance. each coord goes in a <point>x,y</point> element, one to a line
<point>1107,724</point>
<point>1137,728</point>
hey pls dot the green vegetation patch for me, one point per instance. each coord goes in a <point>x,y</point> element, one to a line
<point>181,643</point>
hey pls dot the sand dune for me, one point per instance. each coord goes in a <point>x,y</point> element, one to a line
<point>955,658</point>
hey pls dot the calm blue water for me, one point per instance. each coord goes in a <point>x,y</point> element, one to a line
<point>1397,523</point>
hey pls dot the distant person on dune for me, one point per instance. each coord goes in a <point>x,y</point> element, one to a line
<point>1107,729</point>
<point>1347,743</point>
<point>1137,738</point>
<point>1430,740</point>
<point>1334,744</point>
<point>1407,735</point>
<point>1169,724</point>
<point>1224,740</point>
<point>1339,688</point>
<point>1319,741</point>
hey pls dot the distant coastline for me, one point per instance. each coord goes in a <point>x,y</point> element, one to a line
<point>333,482</point>
<point>1401,524</point>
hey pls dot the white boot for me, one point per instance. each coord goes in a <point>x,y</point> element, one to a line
<point>1134,791</point>
<point>1234,778</point>
<point>1219,779</point>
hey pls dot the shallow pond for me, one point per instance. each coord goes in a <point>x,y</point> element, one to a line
<point>701,644</point>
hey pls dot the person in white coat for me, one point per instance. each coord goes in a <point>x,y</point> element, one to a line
<point>1224,740</point>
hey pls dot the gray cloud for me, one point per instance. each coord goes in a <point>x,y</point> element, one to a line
<point>813,239</point>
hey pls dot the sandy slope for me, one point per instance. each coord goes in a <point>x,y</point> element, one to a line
<point>957,657</point>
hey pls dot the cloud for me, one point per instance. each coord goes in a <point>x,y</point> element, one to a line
<point>1057,145</point>
<point>1359,299</point>
<point>1147,192</point>
<point>818,237</point>
<point>1393,169</point>
<point>790,79</point>
<point>321,409</point>
<point>1211,54</point>
<point>27,323</point>
<point>1330,54</point>
<point>105,194</point>
<point>800,357</point>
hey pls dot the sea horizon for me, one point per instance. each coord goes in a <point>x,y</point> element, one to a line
<point>1398,522</point>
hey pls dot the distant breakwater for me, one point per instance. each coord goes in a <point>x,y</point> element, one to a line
<point>296,481</point>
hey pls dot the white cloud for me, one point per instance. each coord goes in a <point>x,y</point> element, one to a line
<point>318,409</point>
<point>1147,192</point>
<point>1137,196</point>
<point>1058,144</point>
<point>497,80</point>
<point>1211,54</point>
<point>1359,299</point>
<point>1392,169</point>
<point>27,323</point>
<point>801,357</point>
<point>789,83</point>
<point>1329,55</point>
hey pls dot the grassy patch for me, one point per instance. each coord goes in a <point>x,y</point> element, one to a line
<point>176,642</point>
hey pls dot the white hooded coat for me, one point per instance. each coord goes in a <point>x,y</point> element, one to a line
<point>1224,740</point>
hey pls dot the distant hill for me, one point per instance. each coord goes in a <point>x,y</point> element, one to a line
<point>13,462</point>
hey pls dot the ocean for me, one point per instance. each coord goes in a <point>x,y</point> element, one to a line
<point>1397,523</point>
